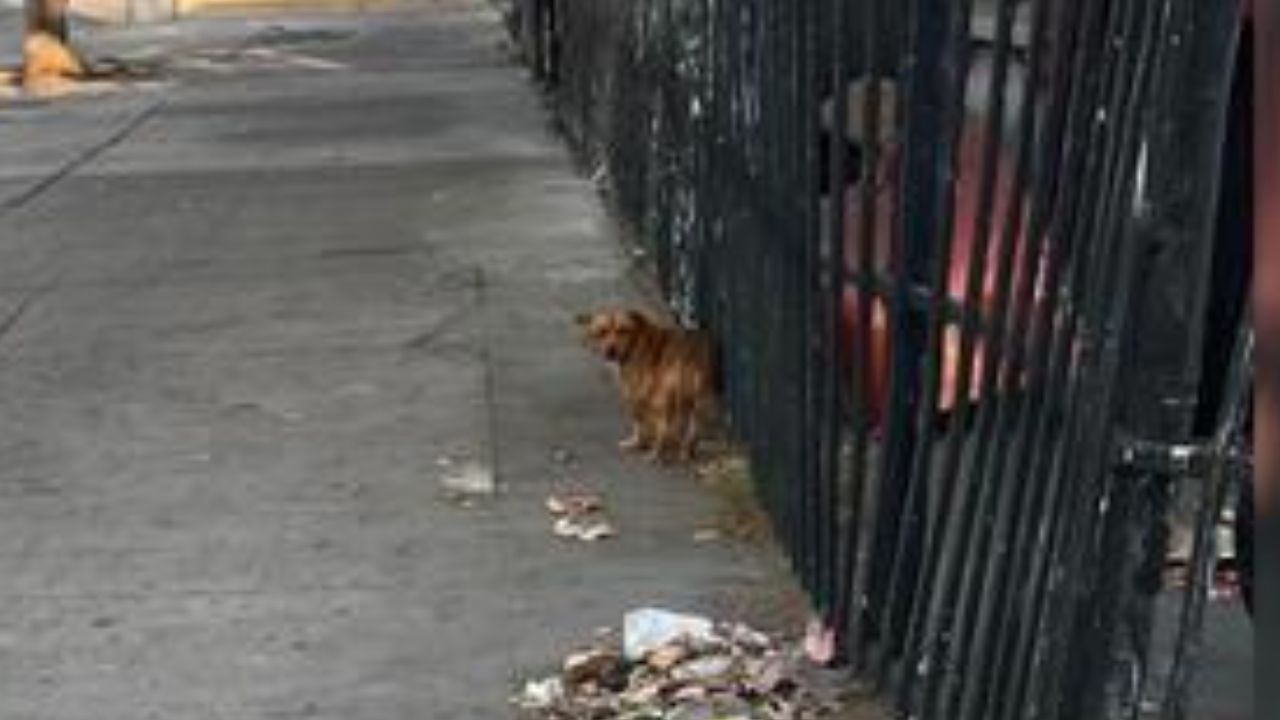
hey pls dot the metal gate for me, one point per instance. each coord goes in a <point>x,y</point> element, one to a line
<point>956,255</point>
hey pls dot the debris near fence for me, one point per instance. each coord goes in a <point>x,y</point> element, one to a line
<point>740,517</point>
<point>671,666</point>
<point>465,482</point>
<point>579,516</point>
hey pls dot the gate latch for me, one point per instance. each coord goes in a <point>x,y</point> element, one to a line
<point>1149,457</point>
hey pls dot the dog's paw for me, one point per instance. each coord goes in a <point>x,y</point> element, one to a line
<point>658,456</point>
<point>631,444</point>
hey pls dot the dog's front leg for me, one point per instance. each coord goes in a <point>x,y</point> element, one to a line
<point>689,440</point>
<point>634,441</point>
<point>641,437</point>
<point>662,438</point>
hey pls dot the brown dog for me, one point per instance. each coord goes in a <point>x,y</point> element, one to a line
<point>666,375</point>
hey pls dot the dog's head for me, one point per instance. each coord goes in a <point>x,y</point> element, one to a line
<point>613,334</point>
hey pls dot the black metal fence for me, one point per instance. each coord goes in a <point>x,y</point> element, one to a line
<point>956,257</point>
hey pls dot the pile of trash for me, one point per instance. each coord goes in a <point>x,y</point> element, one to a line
<point>671,666</point>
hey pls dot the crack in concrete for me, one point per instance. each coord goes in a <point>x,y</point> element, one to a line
<point>10,321</point>
<point>425,340</point>
<point>489,379</point>
<point>70,167</point>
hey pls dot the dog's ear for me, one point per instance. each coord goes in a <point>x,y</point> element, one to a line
<point>637,318</point>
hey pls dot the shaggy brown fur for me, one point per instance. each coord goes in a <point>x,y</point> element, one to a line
<point>666,375</point>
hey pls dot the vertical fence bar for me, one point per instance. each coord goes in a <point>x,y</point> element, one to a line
<point>860,347</point>
<point>1053,333</point>
<point>1207,67</point>
<point>1095,281</point>
<point>1017,487</point>
<point>910,566</point>
<point>979,274</point>
<point>834,224</point>
<point>838,95</point>
<point>824,329</point>
<point>949,537</point>
<point>804,132</point>
<point>998,501</point>
<point>925,182</point>
<point>1091,660</point>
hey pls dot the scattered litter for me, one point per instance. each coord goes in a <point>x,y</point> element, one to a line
<point>748,637</point>
<point>574,505</point>
<point>600,666</point>
<point>648,629</point>
<point>708,535</point>
<point>467,479</point>
<point>769,675</point>
<point>541,694</point>
<point>579,516</point>
<point>668,656</point>
<point>820,642</point>
<point>673,666</point>
<point>705,670</point>
<point>585,530</point>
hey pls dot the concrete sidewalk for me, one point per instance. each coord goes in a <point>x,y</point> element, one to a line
<point>244,320</point>
<point>11,24</point>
